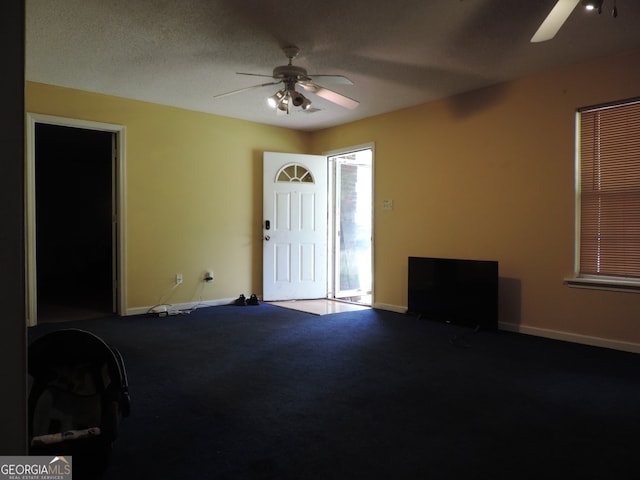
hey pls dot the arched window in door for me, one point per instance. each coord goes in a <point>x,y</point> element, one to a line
<point>294,173</point>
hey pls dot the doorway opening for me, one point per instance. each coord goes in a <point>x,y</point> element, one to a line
<point>351,226</point>
<point>73,223</point>
<point>73,234</point>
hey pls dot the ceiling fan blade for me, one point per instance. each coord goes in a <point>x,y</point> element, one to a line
<point>240,90</point>
<point>337,79</point>
<point>254,74</point>
<point>554,21</point>
<point>330,95</point>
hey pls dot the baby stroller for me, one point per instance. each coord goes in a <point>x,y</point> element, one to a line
<point>78,397</point>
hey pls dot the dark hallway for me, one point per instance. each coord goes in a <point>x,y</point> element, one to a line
<point>73,223</point>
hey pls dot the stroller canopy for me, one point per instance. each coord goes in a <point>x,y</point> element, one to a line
<point>79,393</point>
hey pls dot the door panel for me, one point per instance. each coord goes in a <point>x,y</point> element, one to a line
<point>294,226</point>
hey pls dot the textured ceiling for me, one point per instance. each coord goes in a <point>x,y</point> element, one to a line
<point>398,54</point>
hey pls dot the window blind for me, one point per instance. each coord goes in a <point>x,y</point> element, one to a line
<point>609,155</point>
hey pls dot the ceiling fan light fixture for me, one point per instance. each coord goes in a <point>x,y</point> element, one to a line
<point>275,100</point>
<point>297,99</point>
<point>283,105</point>
<point>287,97</point>
<point>593,5</point>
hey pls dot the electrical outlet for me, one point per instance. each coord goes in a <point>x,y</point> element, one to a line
<point>178,278</point>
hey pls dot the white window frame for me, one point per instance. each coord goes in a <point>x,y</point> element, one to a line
<point>580,280</point>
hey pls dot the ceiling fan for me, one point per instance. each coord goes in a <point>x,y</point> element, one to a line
<point>559,14</point>
<point>291,76</point>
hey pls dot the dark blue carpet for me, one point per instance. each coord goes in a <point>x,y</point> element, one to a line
<point>268,393</point>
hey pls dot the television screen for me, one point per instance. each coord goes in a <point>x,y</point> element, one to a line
<point>458,291</point>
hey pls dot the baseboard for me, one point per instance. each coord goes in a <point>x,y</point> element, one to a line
<point>389,307</point>
<point>571,337</point>
<point>175,308</point>
<point>546,333</point>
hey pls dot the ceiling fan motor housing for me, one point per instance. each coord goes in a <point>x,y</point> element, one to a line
<point>290,72</point>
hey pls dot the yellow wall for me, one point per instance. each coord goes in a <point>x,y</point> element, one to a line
<point>487,174</point>
<point>193,193</point>
<point>490,175</point>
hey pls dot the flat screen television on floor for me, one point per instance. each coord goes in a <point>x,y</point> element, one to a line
<point>463,292</point>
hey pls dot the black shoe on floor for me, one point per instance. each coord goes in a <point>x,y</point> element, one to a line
<point>240,301</point>
<point>253,300</point>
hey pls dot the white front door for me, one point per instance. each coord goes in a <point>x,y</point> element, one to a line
<point>294,226</point>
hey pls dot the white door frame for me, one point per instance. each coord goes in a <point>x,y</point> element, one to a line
<point>119,183</point>
<point>332,214</point>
